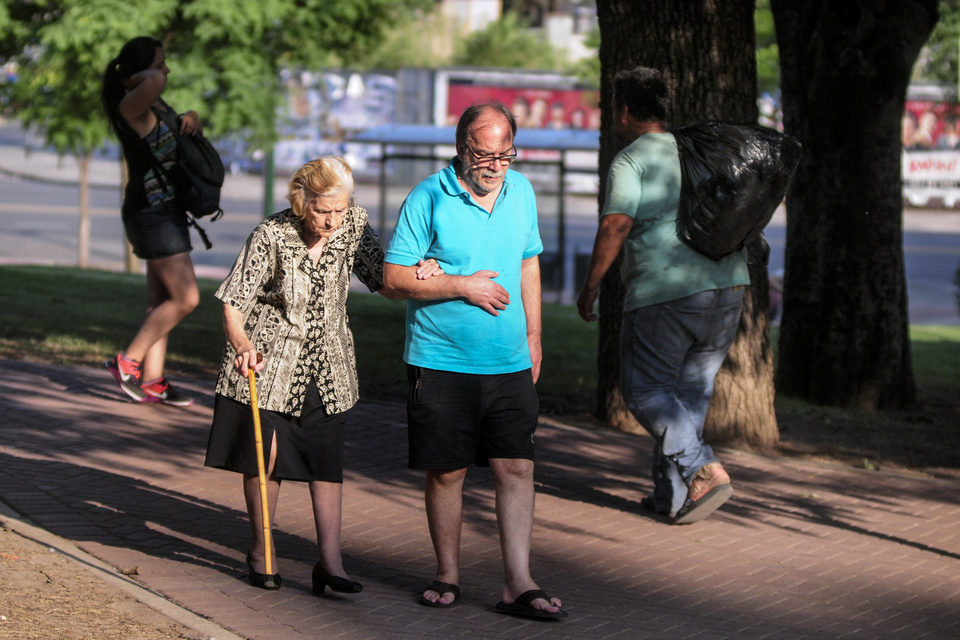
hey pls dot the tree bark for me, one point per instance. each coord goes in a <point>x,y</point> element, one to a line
<point>846,64</point>
<point>131,262</point>
<point>706,48</point>
<point>83,231</point>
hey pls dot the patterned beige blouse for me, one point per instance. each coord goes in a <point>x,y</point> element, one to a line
<point>295,313</point>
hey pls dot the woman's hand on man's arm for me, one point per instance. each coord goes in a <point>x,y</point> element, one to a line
<point>479,288</point>
<point>426,269</point>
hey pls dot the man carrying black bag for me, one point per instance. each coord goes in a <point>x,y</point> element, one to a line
<point>681,307</point>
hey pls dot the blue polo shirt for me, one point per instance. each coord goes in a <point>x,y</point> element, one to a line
<point>440,220</point>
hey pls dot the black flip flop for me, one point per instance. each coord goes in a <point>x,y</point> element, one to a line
<point>696,511</point>
<point>523,607</point>
<point>441,588</point>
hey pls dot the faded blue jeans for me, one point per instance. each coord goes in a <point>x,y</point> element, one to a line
<point>669,356</point>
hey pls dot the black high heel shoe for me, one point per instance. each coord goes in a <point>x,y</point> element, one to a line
<point>322,579</point>
<point>262,580</point>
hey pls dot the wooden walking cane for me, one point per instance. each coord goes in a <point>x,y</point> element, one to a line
<point>261,468</point>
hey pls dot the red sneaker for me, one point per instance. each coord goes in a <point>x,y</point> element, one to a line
<point>160,390</point>
<point>127,374</point>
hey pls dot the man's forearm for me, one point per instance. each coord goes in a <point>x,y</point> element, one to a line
<point>403,280</point>
<point>479,289</point>
<point>611,235</point>
<point>531,295</point>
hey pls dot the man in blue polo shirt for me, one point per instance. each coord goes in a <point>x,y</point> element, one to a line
<point>473,348</point>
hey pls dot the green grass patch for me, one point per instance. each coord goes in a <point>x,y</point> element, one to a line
<point>84,316</point>
<point>936,353</point>
<point>79,316</point>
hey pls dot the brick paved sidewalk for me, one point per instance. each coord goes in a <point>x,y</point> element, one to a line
<point>801,551</point>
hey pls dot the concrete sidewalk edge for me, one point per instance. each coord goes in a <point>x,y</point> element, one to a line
<point>109,574</point>
<point>66,182</point>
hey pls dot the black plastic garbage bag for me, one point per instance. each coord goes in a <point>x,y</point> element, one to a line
<point>733,178</point>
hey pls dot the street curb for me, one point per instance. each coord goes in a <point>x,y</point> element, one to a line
<point>14,521</point>
<point>65,182</point>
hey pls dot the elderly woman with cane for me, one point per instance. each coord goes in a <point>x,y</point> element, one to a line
<point>284,315</point>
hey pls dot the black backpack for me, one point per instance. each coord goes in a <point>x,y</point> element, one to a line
<point>733,177</point>
<point>198,174</point>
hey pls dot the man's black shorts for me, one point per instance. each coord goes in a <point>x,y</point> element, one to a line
<point>458,419</point>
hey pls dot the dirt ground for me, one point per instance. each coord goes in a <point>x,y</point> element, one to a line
<point>922,441</point>
<point>46,594</point>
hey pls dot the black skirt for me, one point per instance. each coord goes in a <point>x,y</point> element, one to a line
<point>309,447</point>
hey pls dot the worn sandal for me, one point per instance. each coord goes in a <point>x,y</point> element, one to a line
<point>441,588</point>
<point>523,607</point>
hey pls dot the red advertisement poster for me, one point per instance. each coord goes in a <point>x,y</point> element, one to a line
<point>535,108</point>
<point>929,124</point>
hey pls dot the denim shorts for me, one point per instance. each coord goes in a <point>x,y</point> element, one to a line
<point>158,231</point>
<point>458,419</point>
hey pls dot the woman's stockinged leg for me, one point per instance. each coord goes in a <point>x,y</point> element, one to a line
<point>251,494</point>
<point>327,515</point>
<point>172,293</point>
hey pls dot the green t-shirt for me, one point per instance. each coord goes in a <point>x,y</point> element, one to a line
<point>644,183</point>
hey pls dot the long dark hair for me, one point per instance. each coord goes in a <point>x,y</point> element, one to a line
<point>135,56</point>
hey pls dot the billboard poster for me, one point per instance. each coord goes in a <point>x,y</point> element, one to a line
<point>320,110</point>
<point>535,108</point>
<point>930,133</point>
<point>539,101</point>
<point>929,124</point>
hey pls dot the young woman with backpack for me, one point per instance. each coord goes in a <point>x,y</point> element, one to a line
<point>154,224</point>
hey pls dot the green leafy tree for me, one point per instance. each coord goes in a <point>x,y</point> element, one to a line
<point>507,43</point>
<point>225,57</point>
<point>230,52</point>
<point>938,59</point>
<point>768,56</point>
<point>63,47</point>
<point>417,40</point>
<point>588,68</point>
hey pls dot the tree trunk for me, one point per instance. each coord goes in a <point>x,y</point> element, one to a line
<point>706,48</point>
<point>130,261</point>
<point>741,409</point>
<point>845,65</point>
<point>83,232</point>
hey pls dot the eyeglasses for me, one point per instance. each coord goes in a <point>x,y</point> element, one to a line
<point>504,159</point>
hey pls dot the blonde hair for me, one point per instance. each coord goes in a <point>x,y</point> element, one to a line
<point>325,176</point>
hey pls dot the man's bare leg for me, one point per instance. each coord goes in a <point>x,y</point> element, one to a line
<point>444,502</point>
<point>515,502</point>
